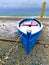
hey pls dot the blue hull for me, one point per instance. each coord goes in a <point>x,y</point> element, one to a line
<point>29,40</point>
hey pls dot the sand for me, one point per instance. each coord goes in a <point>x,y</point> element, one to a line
<point>38,56</point>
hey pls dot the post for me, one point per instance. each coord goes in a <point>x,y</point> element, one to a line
<point>42,12</point>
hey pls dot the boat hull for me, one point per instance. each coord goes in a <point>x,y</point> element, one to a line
<point>29,40</point>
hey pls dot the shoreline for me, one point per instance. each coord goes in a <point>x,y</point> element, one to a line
<point>17,18</point>
<point>23,16</point>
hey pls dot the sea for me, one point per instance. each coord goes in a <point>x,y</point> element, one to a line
<point>23,11</point>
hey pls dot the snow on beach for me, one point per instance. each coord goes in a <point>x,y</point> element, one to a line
<point>8,29</point>
<point>8,25</point>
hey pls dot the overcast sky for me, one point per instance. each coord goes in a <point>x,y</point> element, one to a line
<point>22,3</point>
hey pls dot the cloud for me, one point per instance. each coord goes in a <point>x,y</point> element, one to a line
<point>22,3</point>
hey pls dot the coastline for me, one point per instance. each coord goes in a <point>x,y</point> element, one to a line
<point>17,18</point>
<point>23,16</point>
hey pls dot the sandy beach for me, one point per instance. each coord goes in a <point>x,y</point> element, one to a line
<point>8,30</point>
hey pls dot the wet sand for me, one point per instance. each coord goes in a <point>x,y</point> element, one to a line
<point>39,54</point>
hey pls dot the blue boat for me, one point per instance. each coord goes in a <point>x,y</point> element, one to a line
<point>30,29</point>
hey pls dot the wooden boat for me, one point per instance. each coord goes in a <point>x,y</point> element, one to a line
<point>30,29</point>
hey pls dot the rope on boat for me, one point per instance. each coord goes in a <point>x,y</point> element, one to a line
<point>10,50</point>
<point>7,39</point>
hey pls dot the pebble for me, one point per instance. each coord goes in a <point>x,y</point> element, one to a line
<point>48,35</point>
<point>41,64</point>
<point>3,24</point>
<point>0,59</point>
<point>36,62</point>
<point>6,57</point>
<point>44,60</point>
<point>9,58</point>
<point>46,46</point>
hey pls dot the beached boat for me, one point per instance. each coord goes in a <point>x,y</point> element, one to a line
<point>30,29</point>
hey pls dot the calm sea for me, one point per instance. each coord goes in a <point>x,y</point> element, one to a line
<point>22,12</point>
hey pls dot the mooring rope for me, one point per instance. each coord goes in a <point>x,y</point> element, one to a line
<point>10,50</point>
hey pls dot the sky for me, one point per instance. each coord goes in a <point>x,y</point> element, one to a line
<point>22,3</point>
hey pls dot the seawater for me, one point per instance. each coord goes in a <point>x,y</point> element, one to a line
<point>22,12</point>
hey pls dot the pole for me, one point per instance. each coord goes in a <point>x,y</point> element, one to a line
<point>42,12</point>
